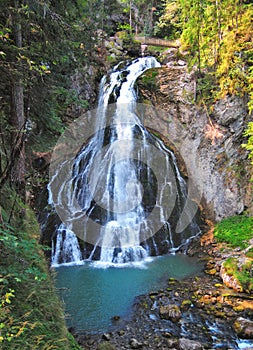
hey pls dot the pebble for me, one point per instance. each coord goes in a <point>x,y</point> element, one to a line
<point>135,344</point>
<point>106,336</point>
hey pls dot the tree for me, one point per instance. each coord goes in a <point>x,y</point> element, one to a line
<point>169,24</point>
<point>42,43</point>
<point>193,17</point>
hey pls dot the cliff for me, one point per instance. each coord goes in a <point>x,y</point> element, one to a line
<point>207,144</point>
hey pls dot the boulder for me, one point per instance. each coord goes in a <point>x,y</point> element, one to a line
<point>230,281</point>
<point>243,328</point>
<point>170,312</point>
<point>188,344</point>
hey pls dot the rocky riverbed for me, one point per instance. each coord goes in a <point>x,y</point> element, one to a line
<point>200,312</point>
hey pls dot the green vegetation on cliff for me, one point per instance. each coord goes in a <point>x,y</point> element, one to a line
<point>31,315</point>
<point>249,144</point>
<point>216,35</point>
<point>235,231</point>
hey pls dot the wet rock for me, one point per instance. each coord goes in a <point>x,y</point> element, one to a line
<point>135,344</point>
<point>243,328</point>
<point>188,344</point>
<point>106,336</point>
<point>121,332</point>
<point>170,312</point>
<point>172,343</point>
<point>106,346</point>
<point>185,305</point>
<point>116,318</point>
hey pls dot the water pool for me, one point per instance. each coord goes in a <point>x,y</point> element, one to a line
<point>94,292</point>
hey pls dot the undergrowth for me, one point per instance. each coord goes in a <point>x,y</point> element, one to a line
<point>31,315</point>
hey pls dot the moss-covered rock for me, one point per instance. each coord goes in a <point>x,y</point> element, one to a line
<point>243,327</point>
<point>170,312</point>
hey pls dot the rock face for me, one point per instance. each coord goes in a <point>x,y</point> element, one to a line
<point>207,146</point>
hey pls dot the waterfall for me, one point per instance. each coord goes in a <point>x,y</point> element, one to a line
<point>67,248</point>
<point>123,191</point>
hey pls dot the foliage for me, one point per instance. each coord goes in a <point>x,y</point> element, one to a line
<point>148,79</point>
<point>50,50</point>
<point>235,230</point>
<point>169,24</point>
<point>249,144</point>
<point>30,312</point>
<point>142,16</point>
<point>216,35</point>
<point>42,44</point>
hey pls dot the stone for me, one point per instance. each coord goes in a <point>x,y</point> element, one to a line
<point>230,281</point>
<point>172,343</point>
<point>106,346</point>
<point>181,63</point>
<point>211,272</point>
<point>188,344</point>
<point>208,299</point>
<point>135,344</point>
<point>106,336</point>
<point>185,305</point>
<point>243,328</point>
<point>170,312</point>
<point>116,318</point>
<point>121,332</point>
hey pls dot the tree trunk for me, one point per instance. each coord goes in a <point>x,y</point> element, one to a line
<point>18,118</point>
<point>18,123</point>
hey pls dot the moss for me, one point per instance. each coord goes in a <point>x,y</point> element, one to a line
<point>148,79</point>
<point>238,308</point>
<point>242,273</point>
<point>185,305</point>
<point>249,253</point>
<point>236,231</point>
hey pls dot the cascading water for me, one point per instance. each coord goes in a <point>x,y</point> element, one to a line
<point>125,191</point>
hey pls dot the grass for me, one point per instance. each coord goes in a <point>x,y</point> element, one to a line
<point>31,315</point>
<point>235,231</point>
